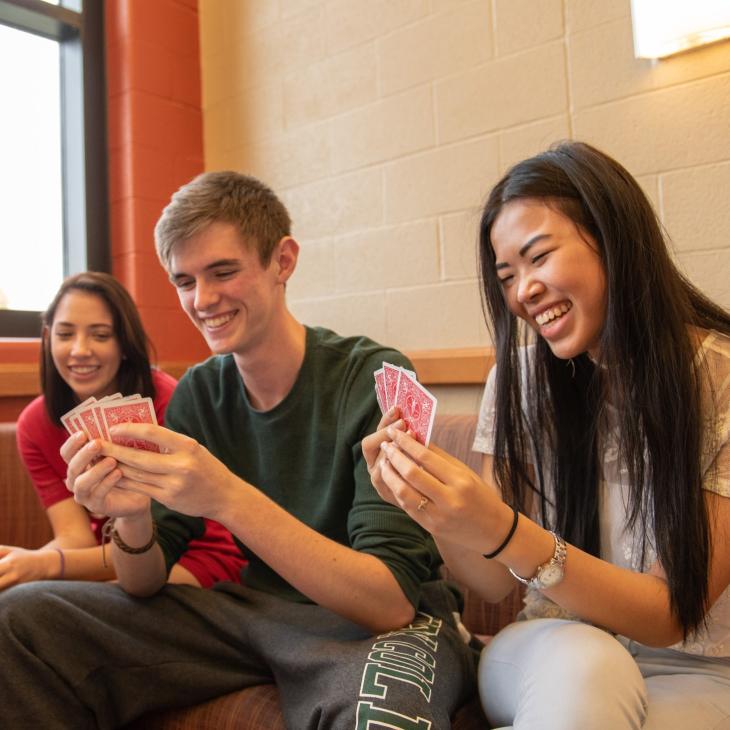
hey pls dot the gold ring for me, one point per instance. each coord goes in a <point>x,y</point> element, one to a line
<point>422,504</point>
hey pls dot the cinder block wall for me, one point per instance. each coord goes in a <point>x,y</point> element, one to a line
<point>383,124</point>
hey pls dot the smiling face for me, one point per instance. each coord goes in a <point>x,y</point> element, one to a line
<point>84,345</point>
<point>229,296</point>
<point>552,275</point>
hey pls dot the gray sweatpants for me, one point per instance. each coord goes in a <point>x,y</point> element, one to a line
<point>86,655</point>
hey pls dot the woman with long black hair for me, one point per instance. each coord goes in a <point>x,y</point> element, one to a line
<point>606,481</point>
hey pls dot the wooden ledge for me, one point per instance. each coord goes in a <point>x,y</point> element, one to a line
<point>464,366</point>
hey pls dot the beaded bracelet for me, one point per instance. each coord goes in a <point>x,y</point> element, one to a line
<point>109,531</point>
<point>506,540</point>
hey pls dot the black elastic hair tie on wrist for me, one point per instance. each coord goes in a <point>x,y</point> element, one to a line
<point>506,540</point>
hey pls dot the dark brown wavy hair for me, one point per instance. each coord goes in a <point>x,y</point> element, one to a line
<point>134,374</point>
<point>647,364</point>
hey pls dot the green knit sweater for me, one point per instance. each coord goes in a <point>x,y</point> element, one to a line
<point>304,454</point>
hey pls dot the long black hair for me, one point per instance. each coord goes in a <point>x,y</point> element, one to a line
<point>647,365</point>
<point>134,374</point>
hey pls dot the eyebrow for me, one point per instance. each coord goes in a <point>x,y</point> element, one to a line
<point>174,278</point>
<point>95,325</point>
<point>535,239</point>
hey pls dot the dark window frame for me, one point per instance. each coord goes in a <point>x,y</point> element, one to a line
<point>84,138</point>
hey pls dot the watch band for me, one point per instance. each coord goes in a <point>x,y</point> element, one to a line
<point>551,573</point>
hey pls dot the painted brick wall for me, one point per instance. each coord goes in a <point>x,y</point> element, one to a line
<point>383,124</point>
<point>155,145</point>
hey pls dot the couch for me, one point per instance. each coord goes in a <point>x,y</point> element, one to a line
<point>23,522</point>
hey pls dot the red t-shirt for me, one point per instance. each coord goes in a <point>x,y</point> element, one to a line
<point>212,558</point>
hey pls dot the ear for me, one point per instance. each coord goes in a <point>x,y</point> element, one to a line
<point>285,258</point>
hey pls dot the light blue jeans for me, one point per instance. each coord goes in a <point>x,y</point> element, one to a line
<point>553,674</point>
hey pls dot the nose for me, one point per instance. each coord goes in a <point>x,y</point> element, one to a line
<point>205,295</point>
<point>80,346</point>
<point>529,289</point>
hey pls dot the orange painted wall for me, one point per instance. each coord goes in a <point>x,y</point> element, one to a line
<point>155,145</point>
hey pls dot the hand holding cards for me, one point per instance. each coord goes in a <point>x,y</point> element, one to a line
<point>95,418</point>
<point>396,386</point>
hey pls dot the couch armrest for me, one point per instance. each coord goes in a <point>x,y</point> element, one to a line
<point>23,520</point>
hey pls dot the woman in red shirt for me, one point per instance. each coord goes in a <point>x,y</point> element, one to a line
<point>93,344</point>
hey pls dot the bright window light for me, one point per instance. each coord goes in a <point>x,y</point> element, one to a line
<point>31,250</point>
<point>665,27</point>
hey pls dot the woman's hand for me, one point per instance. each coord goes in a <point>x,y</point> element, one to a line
<point>18,565</point>
<point>440,493</point>
<point>95,480</point>
<point>374,456</point>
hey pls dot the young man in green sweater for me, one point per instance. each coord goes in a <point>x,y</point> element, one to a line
<point>341,604</point>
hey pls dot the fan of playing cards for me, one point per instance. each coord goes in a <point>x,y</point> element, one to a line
<point>95,418</point>
<point>396,386</point>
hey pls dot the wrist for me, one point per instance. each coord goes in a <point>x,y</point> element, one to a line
<point>501,530</point>
<point>548,574</point>
<point>508,537</point>
<point>134,531</point>
<point>55,564</point>
<point>229,499</point>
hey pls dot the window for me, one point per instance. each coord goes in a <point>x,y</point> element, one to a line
<point>53,190</point>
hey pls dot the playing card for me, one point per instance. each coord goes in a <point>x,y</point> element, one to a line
<point>390,379</point>
<point>89,424</point>
<point>99,415</point>
<point>67,419</point>
<point>417,407</point>
<point>132,410</point>
<point>380,388</point>
<point>68,423</point>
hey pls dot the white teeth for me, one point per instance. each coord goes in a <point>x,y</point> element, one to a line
<point>213,322</point>
<point>83,370</point>
<point>554,313</point>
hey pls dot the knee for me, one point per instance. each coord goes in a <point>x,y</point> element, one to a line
<point>581,672</point>
<point>591,657</point>
<point>29,606</point>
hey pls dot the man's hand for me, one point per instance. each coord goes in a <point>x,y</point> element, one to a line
<point>184,476</point>
<point>95,480</point>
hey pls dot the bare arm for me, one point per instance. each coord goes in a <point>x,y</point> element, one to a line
<point>189,479</point>
<point>95,485</point>
<point>463,510</point>
<point>81,558</point>
<point>488,578</point>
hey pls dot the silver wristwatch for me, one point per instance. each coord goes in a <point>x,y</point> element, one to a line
<point>551,573</point>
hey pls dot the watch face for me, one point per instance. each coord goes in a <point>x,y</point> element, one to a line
<point>550,575</point>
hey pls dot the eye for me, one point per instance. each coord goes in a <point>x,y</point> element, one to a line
<point>505,281</point>
<point>539,257</point>
<point>102,336</point>
<point>63,335</point>
<point>226,273</point>
<point>184,284</point>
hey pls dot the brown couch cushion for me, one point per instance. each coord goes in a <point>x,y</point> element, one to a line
<point>26,523</point>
